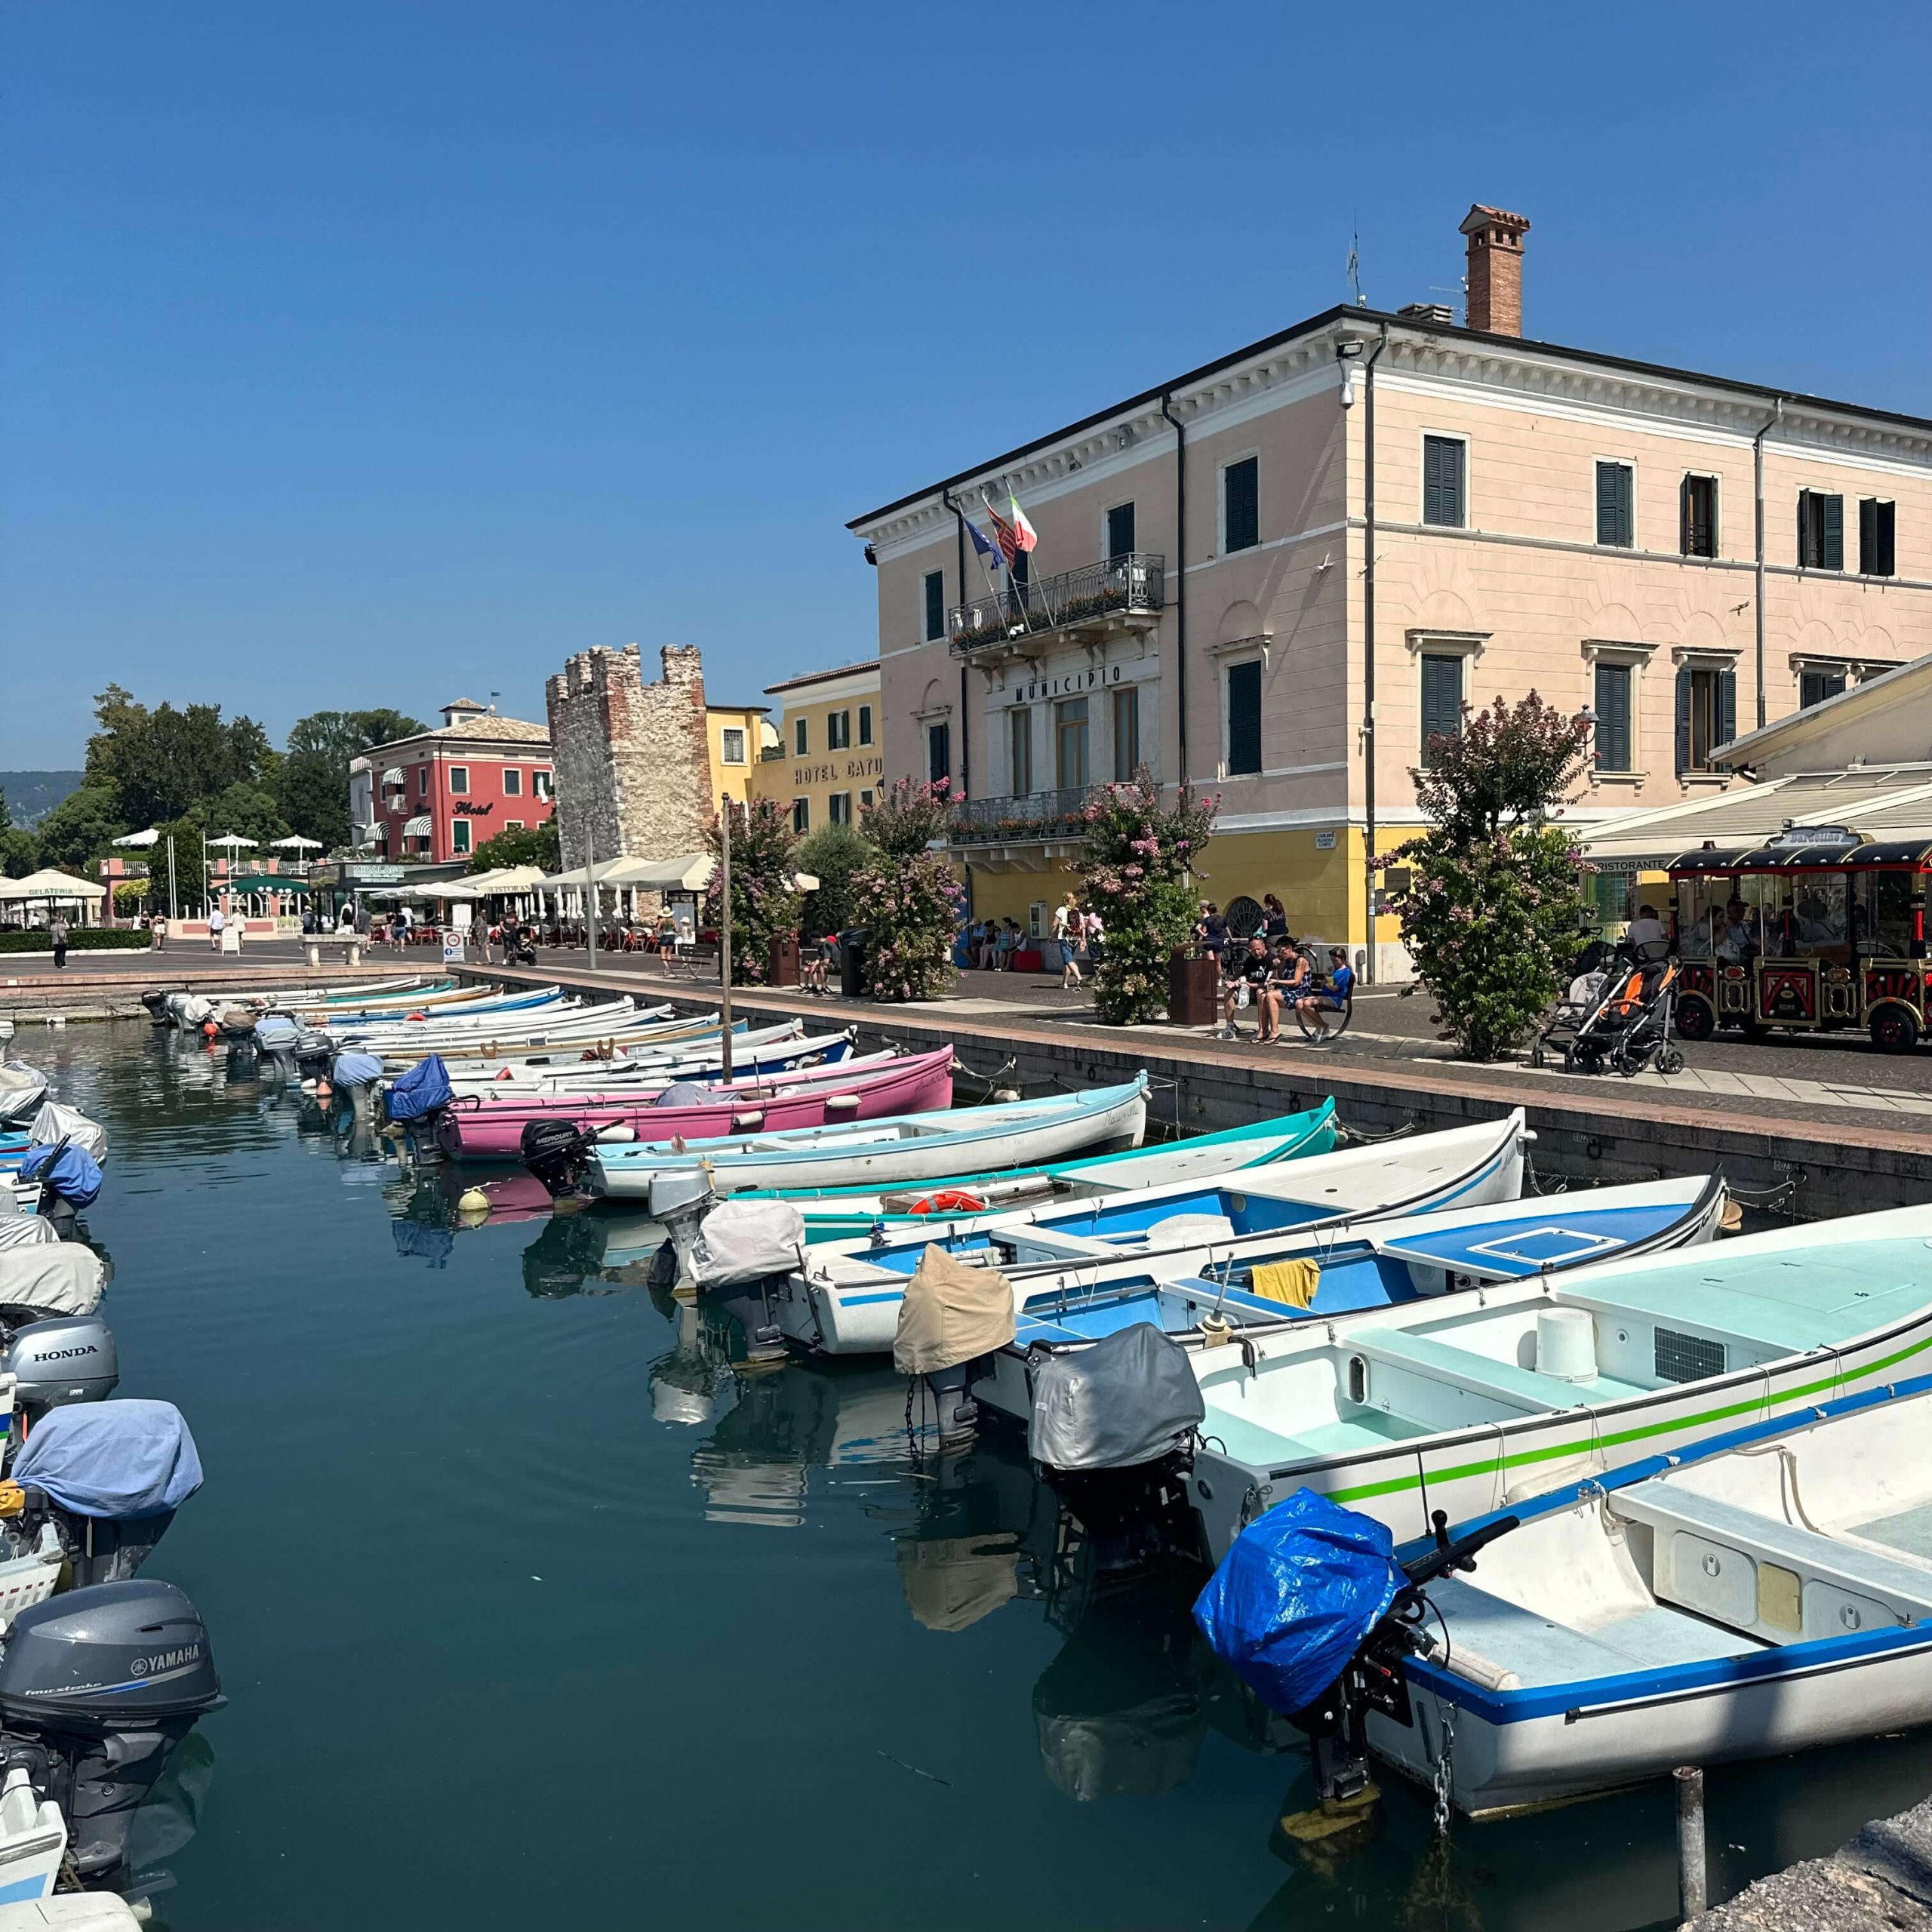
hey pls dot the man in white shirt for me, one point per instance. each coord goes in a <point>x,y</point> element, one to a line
<point>215,925</point>
<point>1646,929</point>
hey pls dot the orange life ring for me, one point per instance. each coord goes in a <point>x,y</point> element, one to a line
<point>415,1016</point>
<point>948,1201</point>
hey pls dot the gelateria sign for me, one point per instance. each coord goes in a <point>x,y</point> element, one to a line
<point>1075,683</point>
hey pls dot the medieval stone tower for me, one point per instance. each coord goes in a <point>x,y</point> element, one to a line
<point>633,760</point>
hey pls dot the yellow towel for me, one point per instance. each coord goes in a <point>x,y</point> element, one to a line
<point>1293,1282</point>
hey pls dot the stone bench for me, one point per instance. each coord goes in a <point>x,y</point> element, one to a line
<point>351,944</point>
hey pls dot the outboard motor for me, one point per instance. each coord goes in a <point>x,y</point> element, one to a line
<point>313,1048</point>
<point>356,1075</point>
<point>1112,1429</point>
<point>70,1180</point>
<point>416,1102</point>
<point>109,1477</point>
<point>681,1201</point>
<point>96,1688</point>
<point>52,1340</point>
<point>1316,1616</point>
<point>744,1253</point>
<point>155,1001</point>
<point>556,1151</point>
<point>952,1319</point>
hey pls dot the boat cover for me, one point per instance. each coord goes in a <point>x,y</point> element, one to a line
<point>71,1171</point>
<point>276,1032</point>
<point>21,1086</point>
<point>1129,1398</point>
<point>424,1088</point>
<point>53,1120</point>
<point>1295,1595</point>
<point>745,1240</point>
<point>59,1277</point>
<point>354,1070</point>
<point>950,1312</point>
<point>691,1094</point>
<point>121,1459</point>
<point>24,1230</point>
<point>195,1009</point>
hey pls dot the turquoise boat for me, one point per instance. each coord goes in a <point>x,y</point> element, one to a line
<point>849,1213</point>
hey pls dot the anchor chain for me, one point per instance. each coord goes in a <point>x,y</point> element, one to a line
<point>1445,1769</point>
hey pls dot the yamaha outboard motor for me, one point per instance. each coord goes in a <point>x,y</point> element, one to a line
<point>97,1687</point>
<point>1112,1429</point>
<point>556,1151</point>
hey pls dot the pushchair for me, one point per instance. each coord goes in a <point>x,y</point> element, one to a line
<point>1616,1013</point>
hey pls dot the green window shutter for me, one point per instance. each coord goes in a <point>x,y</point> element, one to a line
<point>1442,701</point>
<point>1833,532</point>
<point>1241,485</point>
<point>1613,506</point>
<point>1683,720</point>
<point>1686,538</point>
<point>1244,718</point>
<point>935,605</point>
<point>1888,528</point>
<point>1613,710</point>
<point>1868,535</point>
<point>1726,725</point>
<point>1807,560</point>
<point>1442,481</point>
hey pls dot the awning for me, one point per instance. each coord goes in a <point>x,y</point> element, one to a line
<point>393,776</point>
<point>418,827</point>
<point>50,886</point>
<point>504,878</point>
<point>690,874</point>
<point>261,882</point>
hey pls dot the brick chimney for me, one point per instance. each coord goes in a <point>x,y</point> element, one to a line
<point>1496,269</point>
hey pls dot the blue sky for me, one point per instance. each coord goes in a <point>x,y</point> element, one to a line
<point>365,354</point>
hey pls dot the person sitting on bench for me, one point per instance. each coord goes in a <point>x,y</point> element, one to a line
<point>1314,1007</point>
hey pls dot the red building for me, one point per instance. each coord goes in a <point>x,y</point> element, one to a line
<point>437,796</point>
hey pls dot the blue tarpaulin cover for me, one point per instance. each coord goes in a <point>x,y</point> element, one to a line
<point>73,1174</point>
<point>422,1090</point>
<point>276,1030</point>
<point>421,1240</point>
<point>1295,1595</point>
<point>121,1460</point>
<point>357,1069</point>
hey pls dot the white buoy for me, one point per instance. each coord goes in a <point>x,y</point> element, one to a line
<point>1566,1344</point>
<point>473,1201</point>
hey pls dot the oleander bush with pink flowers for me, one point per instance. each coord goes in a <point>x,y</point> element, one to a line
<point>909,898</point>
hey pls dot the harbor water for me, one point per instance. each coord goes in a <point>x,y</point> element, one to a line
<point>534,1607</point>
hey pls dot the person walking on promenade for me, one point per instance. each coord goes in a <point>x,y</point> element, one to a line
<point>57,933</point>
<point>157,931</point>
<point>215,925</point>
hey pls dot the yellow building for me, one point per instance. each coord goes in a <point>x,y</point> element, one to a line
<point>740,737</point>
<point>828,765</point>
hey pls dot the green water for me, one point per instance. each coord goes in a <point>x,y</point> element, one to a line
<point>535,1612</point>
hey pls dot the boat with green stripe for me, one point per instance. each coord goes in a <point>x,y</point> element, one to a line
<point>1469,1403</point>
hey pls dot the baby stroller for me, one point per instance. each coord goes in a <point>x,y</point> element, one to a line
<point>1616,1014</point>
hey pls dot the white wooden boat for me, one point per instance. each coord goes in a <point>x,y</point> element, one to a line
<point>1761,1591</point>
<point>846,1300</point>
<point>1444,1405</point>
<point>892,1151</point>
<point>701,1058</point>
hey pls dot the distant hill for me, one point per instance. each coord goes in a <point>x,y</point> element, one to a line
<point>31,795</point>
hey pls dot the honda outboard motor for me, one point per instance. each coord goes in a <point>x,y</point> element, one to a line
<point>97,1687</point>
<point>155,1001</point>
<point>1112,1429</point>
<point>65,1358</point>
<point>556,1151</point>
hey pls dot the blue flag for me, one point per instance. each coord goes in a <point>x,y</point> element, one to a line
<point>980,543</point>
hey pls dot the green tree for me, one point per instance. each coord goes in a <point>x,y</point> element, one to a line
<point>527,845</point>
<point>160,763</point>
<point>1495,904</point>
<point>311,784</point>
<point>80,828</point>
<point>835,855</point>
<point>187,833</point>
<point>764,902</point>
<point>19,850</point>
<point>911,897</point>
<point>1139,862</point>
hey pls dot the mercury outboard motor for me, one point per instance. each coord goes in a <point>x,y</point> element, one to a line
<point>556,1151</point>
<point>1112,1429</point>
<point>96,1688</point>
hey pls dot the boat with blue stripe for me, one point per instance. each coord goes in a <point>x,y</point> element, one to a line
<point>1765,1590</point>
<point>846,1299</point>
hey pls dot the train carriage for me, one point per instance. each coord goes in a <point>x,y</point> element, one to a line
<point>1817,928</point>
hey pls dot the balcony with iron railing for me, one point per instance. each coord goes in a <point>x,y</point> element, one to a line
<point>1124,593</point>
<point>1027,818</point>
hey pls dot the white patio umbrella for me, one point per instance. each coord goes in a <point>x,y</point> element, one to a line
<point>294,842</point>
<point>232,840</point>
<point>146,840</point>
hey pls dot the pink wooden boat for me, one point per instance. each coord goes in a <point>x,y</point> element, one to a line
<point>492,1130</point>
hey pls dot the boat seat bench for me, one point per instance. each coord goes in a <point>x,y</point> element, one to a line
<point>1755,1572</point>
<point>1522,1388</point>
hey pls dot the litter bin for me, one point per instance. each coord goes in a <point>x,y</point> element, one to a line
<point>781,960</point>
<point>852,961</point>
<point>1193,985</point>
